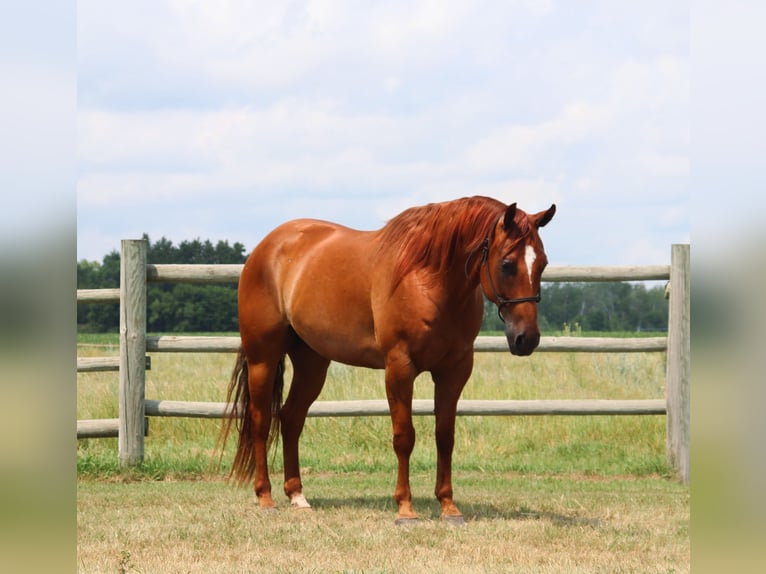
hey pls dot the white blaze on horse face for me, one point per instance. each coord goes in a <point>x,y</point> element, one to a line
<point>529,259</point>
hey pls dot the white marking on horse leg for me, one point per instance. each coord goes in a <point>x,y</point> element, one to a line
<point>529,259</point>
<point>299,501</point>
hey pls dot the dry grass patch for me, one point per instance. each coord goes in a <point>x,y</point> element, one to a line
<point>515,523</point>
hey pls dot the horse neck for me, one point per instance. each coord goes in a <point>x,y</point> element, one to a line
<point>474,253</point>
<point>462,278</point>
<point>440,238</point>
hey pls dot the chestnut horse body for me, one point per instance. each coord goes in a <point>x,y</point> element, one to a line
<point>406,298</point>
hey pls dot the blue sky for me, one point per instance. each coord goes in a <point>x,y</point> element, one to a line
<point>221,120</point>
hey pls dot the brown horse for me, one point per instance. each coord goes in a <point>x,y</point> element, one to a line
<point>406,298</point>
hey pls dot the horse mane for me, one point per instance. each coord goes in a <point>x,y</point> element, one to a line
<point>433,235</point>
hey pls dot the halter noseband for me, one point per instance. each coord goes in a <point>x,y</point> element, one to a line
<point>500,301</point>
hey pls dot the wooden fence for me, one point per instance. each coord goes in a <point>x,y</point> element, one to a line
<point>131,426</point>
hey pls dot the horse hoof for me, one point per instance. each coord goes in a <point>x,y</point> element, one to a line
<point>299,501</point>
<point>269,509</point>
<point>406,521</point>
<point>454,519</point>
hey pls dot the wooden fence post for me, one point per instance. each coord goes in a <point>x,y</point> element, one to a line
<point>132,351</point>
<point>679,362</point>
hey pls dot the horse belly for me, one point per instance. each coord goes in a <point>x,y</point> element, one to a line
<point>340,339</point>
<point>327,295</point>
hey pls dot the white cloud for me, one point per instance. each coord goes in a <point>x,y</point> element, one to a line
<point>674,216</point>
<point>320,104</point>
<point>664,165</point>
<point>644,251</point>
<point>522,146</point>
<point>391,84</point>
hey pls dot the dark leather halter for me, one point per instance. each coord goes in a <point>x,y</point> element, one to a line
<point>500,301</point>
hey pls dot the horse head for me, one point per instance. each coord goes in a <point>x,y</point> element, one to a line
<point>513,260</point>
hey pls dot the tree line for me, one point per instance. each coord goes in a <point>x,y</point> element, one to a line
<point>611,306</point>
<point>170,308</point>
<point>179,308</point>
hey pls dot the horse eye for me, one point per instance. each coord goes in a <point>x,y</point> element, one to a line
<point>508,267</point>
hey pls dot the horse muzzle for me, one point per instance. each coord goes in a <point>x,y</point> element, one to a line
<point>522,343</point>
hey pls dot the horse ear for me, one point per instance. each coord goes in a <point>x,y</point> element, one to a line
<point>508,220</point>
<point>542,218</point>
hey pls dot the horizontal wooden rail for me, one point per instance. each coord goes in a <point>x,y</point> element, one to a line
<point>426,407</point>
<point>98,295</point>
<point>580,344</point>
<point>230,273</point>
<point>99,364</point>
<point>192,344</point>
<point>103,428</point>
<point>563,273</point>
<point>167,273</point>
<point>211,274</point>
<point>97,428</point>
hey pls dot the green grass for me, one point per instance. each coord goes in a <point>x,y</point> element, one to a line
<point>540,494</point>
<point>596,445</point>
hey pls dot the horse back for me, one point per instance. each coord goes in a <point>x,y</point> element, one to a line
<point>317,278</point>
<point>337,289</point>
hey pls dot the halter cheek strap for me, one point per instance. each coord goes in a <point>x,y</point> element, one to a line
<point>500,301</point>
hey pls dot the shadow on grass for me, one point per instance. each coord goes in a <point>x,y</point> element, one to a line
<point>429,509</point>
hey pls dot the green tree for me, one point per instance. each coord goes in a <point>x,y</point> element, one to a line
<point>99,318</point>
<point>183,307</point>
<point>612,306</point>
<point>170,308</point>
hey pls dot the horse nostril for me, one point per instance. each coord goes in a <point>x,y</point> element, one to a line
<point>519,342</point>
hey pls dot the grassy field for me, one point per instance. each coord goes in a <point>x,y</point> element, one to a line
<point>540,494</point>
<point>516,523</point>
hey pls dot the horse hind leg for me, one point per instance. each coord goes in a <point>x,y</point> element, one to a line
<point>265,391</point>
<point>309,374</point>
<point>254,393</point>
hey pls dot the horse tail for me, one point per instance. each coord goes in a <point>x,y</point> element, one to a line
<point>236,413</point>
<point>276,404</point>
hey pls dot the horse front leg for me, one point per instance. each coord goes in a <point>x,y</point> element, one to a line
<point>448,384</point>
<point>399,383</point>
